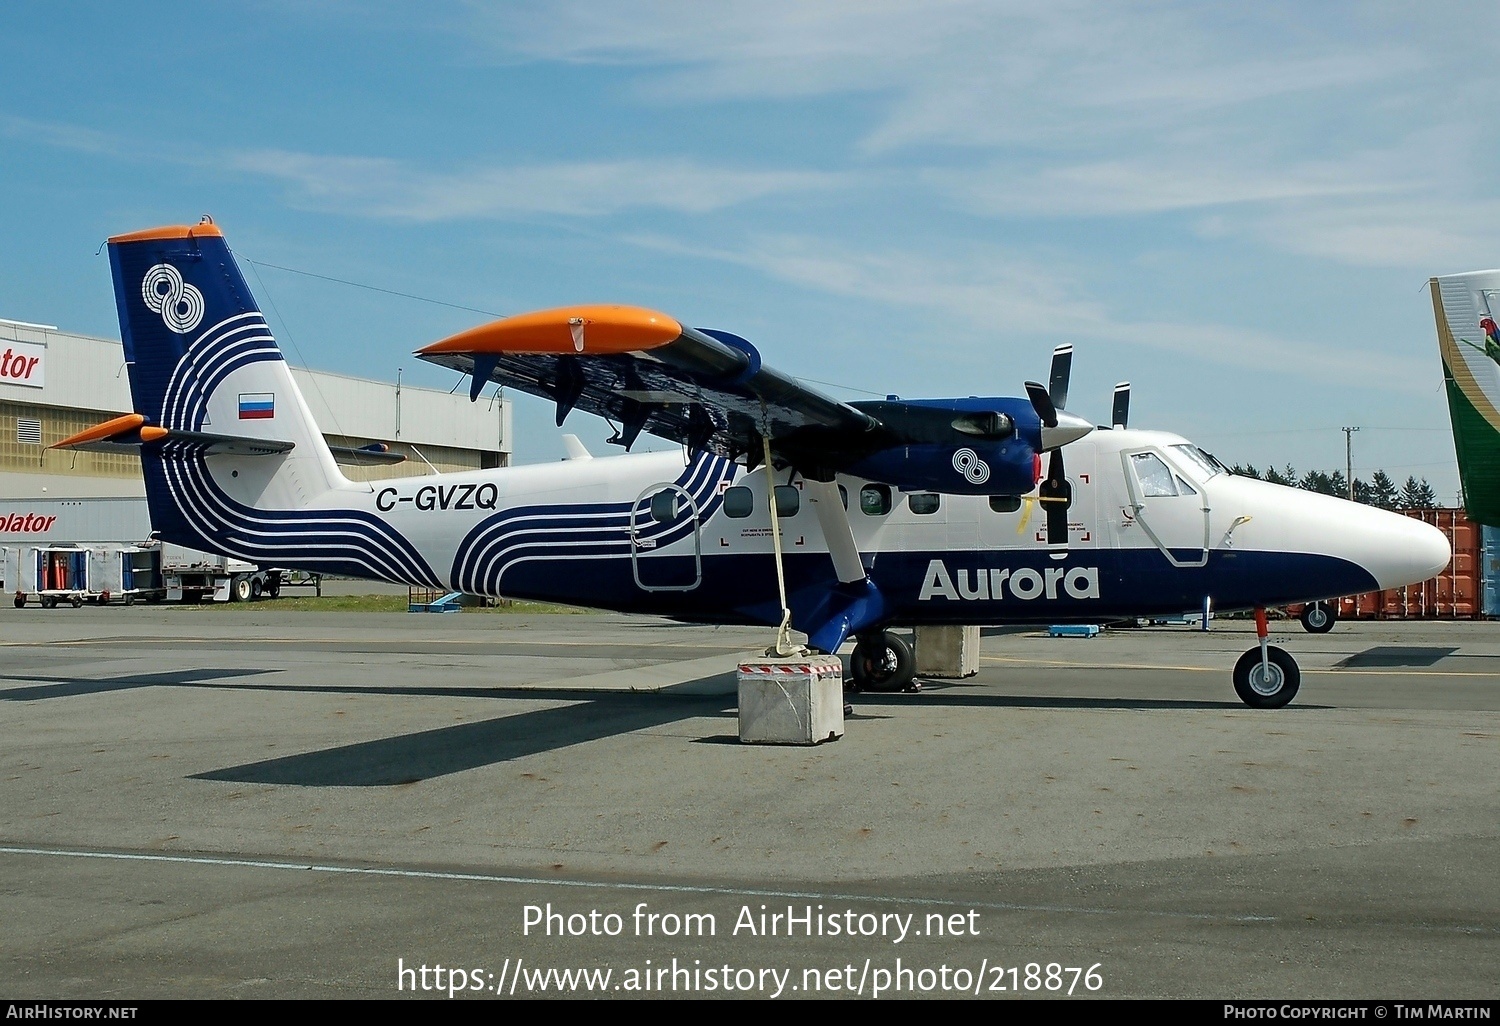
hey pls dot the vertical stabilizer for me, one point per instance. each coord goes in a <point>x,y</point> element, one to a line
<point>206,371</point>
<point>1465,307</point>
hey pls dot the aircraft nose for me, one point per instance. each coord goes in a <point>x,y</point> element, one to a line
<point>1413,552</point>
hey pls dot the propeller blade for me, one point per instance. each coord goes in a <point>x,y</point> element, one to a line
<point>1055,488</point>
<point>1062,370</point>
<point>1042,403</point>
<point>1122,405</point>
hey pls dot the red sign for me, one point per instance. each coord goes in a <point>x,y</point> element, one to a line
<point>24,523</point>
<point>23,363</point>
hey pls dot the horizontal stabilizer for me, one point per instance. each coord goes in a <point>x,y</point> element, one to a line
<point>129,431</point>
<point>366,455</point>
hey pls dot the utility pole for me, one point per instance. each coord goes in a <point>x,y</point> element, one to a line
<point>1349,458</point>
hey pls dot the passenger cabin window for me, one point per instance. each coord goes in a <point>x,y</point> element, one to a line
<point>1005,503</point>
<point>1152,473</point>
<point>788,500</point>
<point>739,502</point>
<point>924,502</point>
<point>875,500</point>
<point>666,505</point>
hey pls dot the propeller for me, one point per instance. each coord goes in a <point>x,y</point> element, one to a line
<point>1058,428</point>
<point>1121,415</point>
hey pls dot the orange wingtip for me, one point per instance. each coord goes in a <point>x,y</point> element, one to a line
<point>591,330</point>
<point>110,428</point>
<point>171,231</point>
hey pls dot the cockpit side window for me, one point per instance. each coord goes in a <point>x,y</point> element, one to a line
<point>1152,473</point>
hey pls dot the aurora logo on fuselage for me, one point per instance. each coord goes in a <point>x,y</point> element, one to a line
<point>982,584</point>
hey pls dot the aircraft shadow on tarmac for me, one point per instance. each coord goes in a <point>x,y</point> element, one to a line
<point>588,716</point>
<point>70,687</point>
<point>409,758</point>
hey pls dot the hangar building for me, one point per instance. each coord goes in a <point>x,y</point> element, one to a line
<point>54,383</point>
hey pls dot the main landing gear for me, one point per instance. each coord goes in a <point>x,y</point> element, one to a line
<point>882,661</point>
<point>1266,677</point>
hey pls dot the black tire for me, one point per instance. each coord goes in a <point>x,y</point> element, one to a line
<point>273,590</point>
<point>49,601</point>
<point>1318,618</point>
<point>77,601</point>
<point>1260,692</point>
<point>255,589</point>
<point>239,589</point>
<point>20,600</point>
<point>882,662</point>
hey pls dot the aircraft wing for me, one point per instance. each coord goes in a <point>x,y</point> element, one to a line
<point>645,371</point>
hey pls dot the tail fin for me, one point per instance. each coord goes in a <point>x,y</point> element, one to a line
<point>1466,307</point>
<point>204,366</point>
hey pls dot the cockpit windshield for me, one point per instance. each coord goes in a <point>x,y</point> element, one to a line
<point>1198,463</point>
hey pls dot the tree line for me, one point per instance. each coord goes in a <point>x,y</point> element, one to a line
<point>1380,490</point>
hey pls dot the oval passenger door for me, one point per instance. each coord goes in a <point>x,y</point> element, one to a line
<point>659,559</point>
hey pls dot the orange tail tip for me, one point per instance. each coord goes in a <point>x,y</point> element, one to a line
<point>110,428</point>
<point>597,329</point>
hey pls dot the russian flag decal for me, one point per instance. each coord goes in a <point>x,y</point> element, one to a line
<point>257,405</point>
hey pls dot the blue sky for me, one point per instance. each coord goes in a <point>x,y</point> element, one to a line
<point>1235,207</point>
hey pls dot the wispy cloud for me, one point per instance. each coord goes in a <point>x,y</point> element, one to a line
<point>1136,186</point>
<point>959,72</point>
<point>388,188</point>
<point>985,295</point>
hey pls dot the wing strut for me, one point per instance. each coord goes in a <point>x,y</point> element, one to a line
<point>783,646</point>
<point>834,520</point>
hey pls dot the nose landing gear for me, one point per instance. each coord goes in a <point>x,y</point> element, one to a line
<point>1266,677</point>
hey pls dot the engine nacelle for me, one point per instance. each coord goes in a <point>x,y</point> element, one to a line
<point>974,446</point>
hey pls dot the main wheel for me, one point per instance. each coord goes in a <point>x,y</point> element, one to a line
<point>881,662</point>
<point>239,590</point>
<point>77,601</point>
<point>1317,618</point>
<point>1266,687</point>
<point>49,601</point>
<point>255,589</point>
<point>20,599</point>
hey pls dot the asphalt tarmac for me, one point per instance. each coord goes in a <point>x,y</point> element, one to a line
<point>204,803</point>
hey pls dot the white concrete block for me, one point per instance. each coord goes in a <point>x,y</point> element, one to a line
<point>797,701</point>
<point>947,651</point>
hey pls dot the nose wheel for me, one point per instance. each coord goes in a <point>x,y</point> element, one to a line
<point>882,662</point>
<point>1318,618</point>
<point>1266,677</point>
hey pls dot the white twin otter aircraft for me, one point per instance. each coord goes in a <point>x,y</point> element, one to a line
<point>783,506</point>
